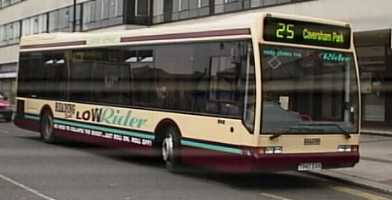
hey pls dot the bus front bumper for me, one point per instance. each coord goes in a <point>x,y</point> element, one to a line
<point>245,163</point>
<point>289,162</point>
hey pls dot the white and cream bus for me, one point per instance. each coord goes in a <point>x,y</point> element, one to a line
<point>240,93</point>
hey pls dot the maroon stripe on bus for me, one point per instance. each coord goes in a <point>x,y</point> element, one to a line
<point>264,163</point>
<point>231,32</point>
<point>60,44</point>
<point>27,124</point>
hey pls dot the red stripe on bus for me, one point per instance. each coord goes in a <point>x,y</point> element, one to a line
<point>232,32</point>
<point>279,162</point>
<point>27,124</point>
<point>59,44</point>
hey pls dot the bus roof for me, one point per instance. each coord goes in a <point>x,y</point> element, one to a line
<point>229,25</point>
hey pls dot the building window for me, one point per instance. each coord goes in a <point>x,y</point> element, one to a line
<point>10,33</point>
<point>158,11</point>
<point>374,58</point>
<point>223,6</point>
<point>96,14</point>
<point>183,9</point>
<point>142,8</point>
<point>2,35</point>
<point>34,25</point>
<point>173,10</point>
<point>102,13</point>
<point>6,3</point>
<point>166,11</point>
<point>258,3</point>
<point>61,20</point>
<point>139,11</point>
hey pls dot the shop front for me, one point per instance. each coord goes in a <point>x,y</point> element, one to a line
<point>374,59</point>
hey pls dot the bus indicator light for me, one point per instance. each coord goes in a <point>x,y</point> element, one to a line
<point>274,150</point>
<point>348,148</point>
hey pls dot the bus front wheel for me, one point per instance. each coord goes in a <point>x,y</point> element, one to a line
<point>47,134</point>
<point>170,149</point>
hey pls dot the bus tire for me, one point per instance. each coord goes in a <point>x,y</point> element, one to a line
<point>170,149</point>
<point>47,129</point>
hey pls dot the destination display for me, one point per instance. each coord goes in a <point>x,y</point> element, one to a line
<point>307,33</point>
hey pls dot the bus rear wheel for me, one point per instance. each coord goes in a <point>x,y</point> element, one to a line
<point>170,149</point>
<point>47,129</point>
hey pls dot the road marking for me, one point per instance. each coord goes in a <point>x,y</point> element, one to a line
<point>274,196</point>
<point>10,180</point>
<point>358,193</point>
<point>5,131</point>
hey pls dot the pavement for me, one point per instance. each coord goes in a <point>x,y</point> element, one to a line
<point>377,131</point>
<point>374,170</point>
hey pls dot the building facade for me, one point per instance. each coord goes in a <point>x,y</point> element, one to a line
<point>371,21</point>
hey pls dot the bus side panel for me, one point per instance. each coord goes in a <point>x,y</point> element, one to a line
<point>135,149</point>
<point>27,114</point>
<point>28,124</point>
<point>213,160</point>
<point>81,130</point>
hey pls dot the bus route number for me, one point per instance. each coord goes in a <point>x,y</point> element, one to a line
<point>285,31</point>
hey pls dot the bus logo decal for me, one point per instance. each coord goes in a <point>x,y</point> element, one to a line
<point>67,109</point>
<point>106,115</point>
<point>111,116</point>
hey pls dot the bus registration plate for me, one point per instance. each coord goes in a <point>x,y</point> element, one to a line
<point>310,166</point>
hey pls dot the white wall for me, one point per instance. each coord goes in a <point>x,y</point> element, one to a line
<point>9,54</point>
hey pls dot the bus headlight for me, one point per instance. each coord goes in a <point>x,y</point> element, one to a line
<point>274,150</point>
<point>347,148</point>
<point>257,152</point>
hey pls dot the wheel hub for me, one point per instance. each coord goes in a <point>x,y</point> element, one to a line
<point>167,148</point>
<point>48,127</point>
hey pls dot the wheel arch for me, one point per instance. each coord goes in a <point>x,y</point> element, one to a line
<point>160,130</point>
<point>44,108</point>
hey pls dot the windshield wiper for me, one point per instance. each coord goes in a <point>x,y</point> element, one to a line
<point>347,134</point>
<point>276,135</point>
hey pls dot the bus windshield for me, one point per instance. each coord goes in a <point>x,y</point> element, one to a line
<point>308,91</point>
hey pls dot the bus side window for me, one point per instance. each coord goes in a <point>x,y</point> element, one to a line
<point>142,74</point>
<point>224,78</point>
<point>174,77</point>
<point>56,75</point>
<point>248,82</point>
<point>29,72</point>
<point>109,77</point>
<point>80,86</point>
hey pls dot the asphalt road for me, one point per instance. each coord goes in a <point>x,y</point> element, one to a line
<point>33,170</point>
